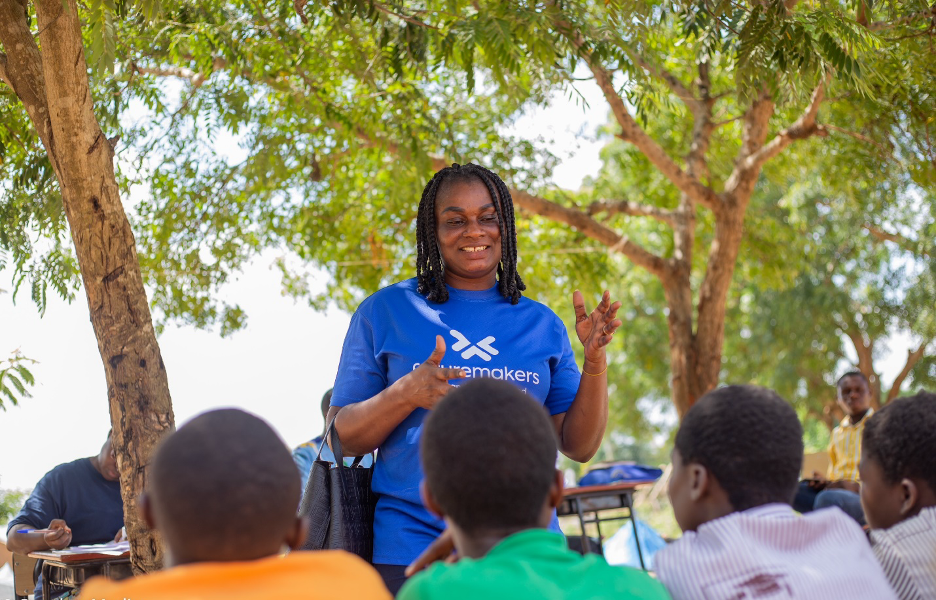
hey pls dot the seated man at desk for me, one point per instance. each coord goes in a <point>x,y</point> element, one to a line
<point>75,503</point>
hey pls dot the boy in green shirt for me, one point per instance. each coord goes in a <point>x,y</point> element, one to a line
<point>489,456</point>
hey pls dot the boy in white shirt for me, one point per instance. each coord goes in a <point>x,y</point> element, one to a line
<point>736,465</point>
<point>898,492</point>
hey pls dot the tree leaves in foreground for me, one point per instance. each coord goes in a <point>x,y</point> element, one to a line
<point>15,378</point>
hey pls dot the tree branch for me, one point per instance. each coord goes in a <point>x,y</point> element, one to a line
<point>907,20</point>
<point>804,127</point>
<point>865,351</point>
<point>886,236</point>
<point>702,127</point>
<point>438,162</point>
<point>23,71</point>
<point>412,20</point>
<point>913,357</point>
<point>633,133</point>
<point>720,124</point>
<point>634,209</point>
<point>194,77</point>
<point>583,223</point>
<point>858,136</point>
<point>671,81</point>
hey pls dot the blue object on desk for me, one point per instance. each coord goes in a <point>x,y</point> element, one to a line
<point>620,473</point>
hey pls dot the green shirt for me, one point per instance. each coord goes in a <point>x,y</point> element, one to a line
<point>535,563</point>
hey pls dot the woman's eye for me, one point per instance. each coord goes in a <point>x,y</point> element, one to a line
<point>489,219</point>
<point>455,222</point>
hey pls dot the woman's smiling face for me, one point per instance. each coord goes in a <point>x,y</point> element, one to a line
<point>469,235</point>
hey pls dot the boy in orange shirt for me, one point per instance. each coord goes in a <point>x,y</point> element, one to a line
<point>223,492</point>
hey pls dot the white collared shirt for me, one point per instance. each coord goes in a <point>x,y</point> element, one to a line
<point>771,553</point>
<point>907,552</point>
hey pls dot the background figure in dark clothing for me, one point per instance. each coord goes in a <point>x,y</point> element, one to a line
<point>74,504</point>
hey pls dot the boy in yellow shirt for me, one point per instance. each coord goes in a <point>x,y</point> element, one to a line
<point>223,492</point>
<point>841,484</point>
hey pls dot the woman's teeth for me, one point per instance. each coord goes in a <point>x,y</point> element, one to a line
<point>474,249</point>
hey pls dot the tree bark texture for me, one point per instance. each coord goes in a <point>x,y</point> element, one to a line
<point>53,86</point>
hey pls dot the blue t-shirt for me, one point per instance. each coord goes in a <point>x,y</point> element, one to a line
<point>393,332</point>
<point>77,493</point>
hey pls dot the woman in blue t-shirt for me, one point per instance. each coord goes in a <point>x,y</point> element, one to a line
<point>467,292</point>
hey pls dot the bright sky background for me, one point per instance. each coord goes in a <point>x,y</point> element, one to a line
<point>278,367</point>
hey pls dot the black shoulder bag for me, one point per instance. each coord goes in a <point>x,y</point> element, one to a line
<point>339,503</point>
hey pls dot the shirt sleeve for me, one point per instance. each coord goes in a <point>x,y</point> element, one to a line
<point>830,471</point>
<point>361,375</point>
<point>564,375</point>
<point>42,505</point>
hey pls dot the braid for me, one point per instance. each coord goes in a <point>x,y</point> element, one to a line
<point>430,271</point>
<point>429,268</point>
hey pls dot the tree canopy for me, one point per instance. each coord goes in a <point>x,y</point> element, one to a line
<point>341,111</point>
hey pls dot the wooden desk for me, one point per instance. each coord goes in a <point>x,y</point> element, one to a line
<point>596,499</point>
<point>72,569</point>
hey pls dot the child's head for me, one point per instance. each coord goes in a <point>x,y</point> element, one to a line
<point>853,394</point>
<point>223,488</point>
<point>898,460</point>
<point>489,457</point>
<point>738,447</point>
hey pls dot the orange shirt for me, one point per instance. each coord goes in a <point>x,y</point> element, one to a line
<point>322,575</point>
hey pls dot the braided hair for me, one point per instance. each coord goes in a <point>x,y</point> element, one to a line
<point>430,271</point>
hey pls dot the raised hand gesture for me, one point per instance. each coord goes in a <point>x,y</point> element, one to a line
<point>596,329</point>
<point>429,382</point>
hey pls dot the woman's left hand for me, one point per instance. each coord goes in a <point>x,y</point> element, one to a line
<point>595,330</point>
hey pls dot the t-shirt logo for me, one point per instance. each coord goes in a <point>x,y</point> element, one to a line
<point>482,349</point>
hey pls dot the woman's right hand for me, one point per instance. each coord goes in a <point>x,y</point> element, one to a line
<point>429,382</point>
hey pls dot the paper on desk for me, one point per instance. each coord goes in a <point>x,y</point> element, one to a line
<point>109,549</point>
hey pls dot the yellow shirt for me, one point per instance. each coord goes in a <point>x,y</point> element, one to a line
<point>322,575</point>
<point>845,449</point>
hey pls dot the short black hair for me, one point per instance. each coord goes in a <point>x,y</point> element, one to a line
<point>838,383</point>
<point>901,437</point>
<point>224,480</point>
<point>489,456</point>
<point>430,272</point>
<point>750,440</point>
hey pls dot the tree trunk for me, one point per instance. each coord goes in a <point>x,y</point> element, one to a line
<point>913,357</point>
<point>54,87</point>
<point>864,348</point>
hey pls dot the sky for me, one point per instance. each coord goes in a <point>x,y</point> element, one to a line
<point>278,367</point>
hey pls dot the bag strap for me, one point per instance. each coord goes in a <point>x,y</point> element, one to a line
<point>331,435</point>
